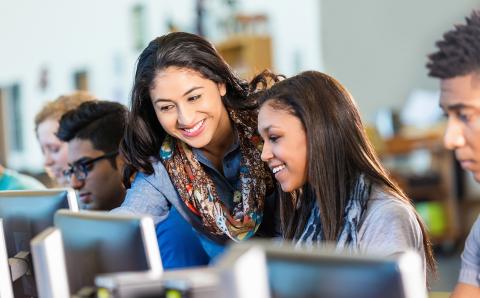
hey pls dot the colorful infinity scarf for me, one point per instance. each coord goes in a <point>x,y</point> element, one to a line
<point>198,191</point>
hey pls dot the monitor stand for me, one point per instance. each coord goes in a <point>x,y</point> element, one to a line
<point>19,265</point>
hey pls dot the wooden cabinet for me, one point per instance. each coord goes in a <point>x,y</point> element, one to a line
<point>432,188</point>
<point>247,54</point>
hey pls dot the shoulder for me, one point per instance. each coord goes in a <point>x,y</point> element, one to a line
<point>19,181</point>
<point>390,226</point>
<point>159,179</point>
<point>473,240</point>
<point>150,194</point>
<point>383,205</point>
<point>388,217</point>
<point>475,231</point>
<point>470,270</point>
<point>472,244</point>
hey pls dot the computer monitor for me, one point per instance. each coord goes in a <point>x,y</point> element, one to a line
<point>243,272</point>
<point>97,242</point>
<point>25,214</point>
<point>324,273</point>
<point>49,264</point>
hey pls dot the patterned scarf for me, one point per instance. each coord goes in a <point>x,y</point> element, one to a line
<point>198,191</point>
<point>348,240</point>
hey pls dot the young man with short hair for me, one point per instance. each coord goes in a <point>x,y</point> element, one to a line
<point>93,132</point>
<point>457,65</point>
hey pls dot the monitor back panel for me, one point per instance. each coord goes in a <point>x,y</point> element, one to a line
<point>25,214</point>
<point>96,245</point>
<point>337,278</point>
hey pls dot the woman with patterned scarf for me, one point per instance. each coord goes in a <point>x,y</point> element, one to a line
<point>333,187</point>
<point>192,139</point>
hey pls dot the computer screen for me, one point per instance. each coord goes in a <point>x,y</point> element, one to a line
<point>295,272</point>
<point>25,214</point>
<point>97,242</point>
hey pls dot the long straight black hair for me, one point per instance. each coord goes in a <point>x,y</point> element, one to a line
<point>338,153</point>
<point>144,134</point>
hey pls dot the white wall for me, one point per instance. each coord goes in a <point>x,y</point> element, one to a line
<point>378,48</point>
<point>295,27</point>
<point>96,35</point>
<point>65,36</point>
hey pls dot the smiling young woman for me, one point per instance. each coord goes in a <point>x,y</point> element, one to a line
<point>333,185</point>
<point>192,137</point>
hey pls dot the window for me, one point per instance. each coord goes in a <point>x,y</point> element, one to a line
<point>12,124</point>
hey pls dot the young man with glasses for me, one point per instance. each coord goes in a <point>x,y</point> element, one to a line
<point>457,65</point>
<point>93,132</point>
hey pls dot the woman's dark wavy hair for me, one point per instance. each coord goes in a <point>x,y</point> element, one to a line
<point>458,52</point>
<point>144,134</point>
<point>338,152</point>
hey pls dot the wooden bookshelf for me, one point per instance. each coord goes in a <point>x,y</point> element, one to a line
<point>439,184</point>
<point>247,54</point>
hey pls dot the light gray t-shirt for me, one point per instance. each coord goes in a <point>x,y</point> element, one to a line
<point>389,226</point>
<point>470,270</point>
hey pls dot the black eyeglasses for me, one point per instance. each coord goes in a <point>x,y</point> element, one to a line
<point>81,168</point>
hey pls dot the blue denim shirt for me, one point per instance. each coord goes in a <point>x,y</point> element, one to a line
<point>155,194</point>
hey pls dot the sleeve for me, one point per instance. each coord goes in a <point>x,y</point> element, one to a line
<point>15,181</point>
<point>28,183</point>
<point>391,228</point>
<point>144,198</point>
<point>470,270</point>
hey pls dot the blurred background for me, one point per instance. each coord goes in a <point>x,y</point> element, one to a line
<point>376,48</point>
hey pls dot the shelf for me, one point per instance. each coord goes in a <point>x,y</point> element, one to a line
<point>436,184</point>
<point>247,54</point>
